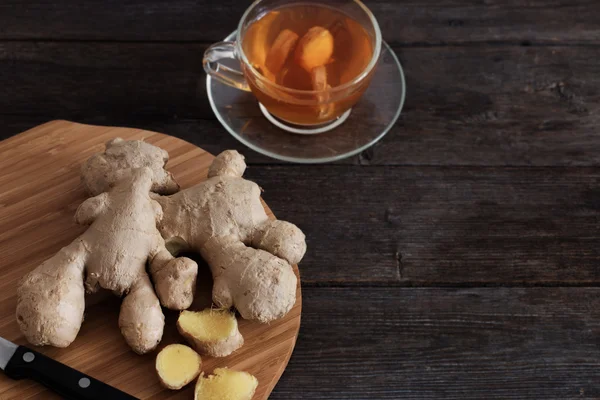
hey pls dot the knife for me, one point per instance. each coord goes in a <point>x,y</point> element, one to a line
<point>20,362</point>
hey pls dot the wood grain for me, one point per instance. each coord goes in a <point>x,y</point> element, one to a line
<point>210,132</point>
<point>495,105</point>
<point>492,85</point>
<point>432,226</point>
<point>40,192</point>
<point>407,22</point>
<point>408,343</point>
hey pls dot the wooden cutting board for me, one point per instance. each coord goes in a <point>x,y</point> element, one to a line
<point>39,193</point>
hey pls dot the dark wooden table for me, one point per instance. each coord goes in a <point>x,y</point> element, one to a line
<point>457,259</point>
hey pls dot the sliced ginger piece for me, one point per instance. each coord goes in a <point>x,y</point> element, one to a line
<point>177,365</point>
<point>315,48</point>
<point>211,332</point>
<point>226,384</point>
<point>318,76</point>
<point>258,45</point>
<point>319,81</point>
<point>280,50</point>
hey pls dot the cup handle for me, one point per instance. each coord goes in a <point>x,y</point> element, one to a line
<point>220,72</point>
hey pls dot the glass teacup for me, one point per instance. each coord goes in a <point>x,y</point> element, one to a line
<point>315,105</point>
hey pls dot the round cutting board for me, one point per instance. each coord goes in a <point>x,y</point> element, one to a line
<point>39,194</point>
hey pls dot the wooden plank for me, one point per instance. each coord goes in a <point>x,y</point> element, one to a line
<point>487,343</point>
<point>422,226</point>
<point>68,79</point>
<point>442,21</point>
<point>497,105</point>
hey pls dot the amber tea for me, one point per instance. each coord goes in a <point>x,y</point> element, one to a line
<point>307,47</point>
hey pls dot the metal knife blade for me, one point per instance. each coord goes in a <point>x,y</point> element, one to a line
<point>7,350</point>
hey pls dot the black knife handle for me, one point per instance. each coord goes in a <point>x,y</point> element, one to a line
<point>67,382</point>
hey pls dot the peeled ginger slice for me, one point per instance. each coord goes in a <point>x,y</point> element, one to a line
<point>280,50</point>
<point>315,48</point>
<point>319,81</point>
<point>177,365</point>
<point>226,384</point>
<point>211,332</point>
<point>261,31</point>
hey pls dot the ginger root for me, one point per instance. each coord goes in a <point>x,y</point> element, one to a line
<point>226,384</point>
<point>101,171</point>
<point>177,365</point>
<point>211,332</point>
<point>249,255</point>
<point>111,254</point>
<point>130,227</point>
